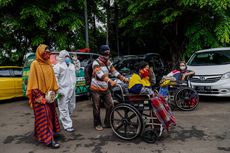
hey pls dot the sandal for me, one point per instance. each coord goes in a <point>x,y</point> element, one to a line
<point>70,129</point>
<point>99,128</point>
<point>54,145</point>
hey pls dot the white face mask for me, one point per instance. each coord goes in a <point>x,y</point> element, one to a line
<point>182,67</point>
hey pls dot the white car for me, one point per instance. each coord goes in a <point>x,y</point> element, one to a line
<point>212,72</point>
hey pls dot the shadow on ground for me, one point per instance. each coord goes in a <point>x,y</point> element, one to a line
<point>214,99</point>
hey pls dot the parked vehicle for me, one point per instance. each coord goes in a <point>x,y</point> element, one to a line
<point>126,64</point>
<point>81,87</point>
<point>10,82</point>
<point>29,57</point>
<point>159,66</point>
<point>212,71</point>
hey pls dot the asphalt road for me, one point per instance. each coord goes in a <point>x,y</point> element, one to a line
<point>204,130</point>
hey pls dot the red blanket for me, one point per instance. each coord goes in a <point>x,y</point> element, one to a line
<point>163,112</point>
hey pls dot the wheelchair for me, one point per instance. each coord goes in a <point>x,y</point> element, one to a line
<point>181,96</point>
<point>133,116</point>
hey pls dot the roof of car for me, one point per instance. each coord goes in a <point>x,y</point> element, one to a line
<point>79,53</point>
<point>213,49</point>
<point>9,67</point>
<point>151,54</point>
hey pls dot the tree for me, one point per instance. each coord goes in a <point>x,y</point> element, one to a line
<point>175,27</point>
<point>25,24</point>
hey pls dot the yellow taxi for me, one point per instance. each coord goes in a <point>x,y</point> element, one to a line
<point>10,82</point>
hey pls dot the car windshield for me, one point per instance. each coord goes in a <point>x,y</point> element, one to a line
<point>155,60</point>
<point>210,58</point>
<point>85,58</point>
<point>127,65</point>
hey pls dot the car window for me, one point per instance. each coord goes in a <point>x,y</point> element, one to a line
<point>155,60</point>
<point>17,72</point>
<point>127,65</point>
<point>210,58</point>
<point>5,73</point>
<point>85,58</point>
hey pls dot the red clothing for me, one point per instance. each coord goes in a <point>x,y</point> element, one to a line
<point>46,119</point>
<point>163,112</point>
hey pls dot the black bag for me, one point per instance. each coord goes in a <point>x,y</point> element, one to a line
<point>88,72</point>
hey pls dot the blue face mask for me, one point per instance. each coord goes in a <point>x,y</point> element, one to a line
<point>67,60</point>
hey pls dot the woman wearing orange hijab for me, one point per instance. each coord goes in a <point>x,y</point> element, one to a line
<point>41,83</point>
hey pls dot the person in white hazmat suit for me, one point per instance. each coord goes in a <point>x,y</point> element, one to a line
<point>65,74</point>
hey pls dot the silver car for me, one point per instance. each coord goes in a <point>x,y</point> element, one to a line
<point>212,72</point>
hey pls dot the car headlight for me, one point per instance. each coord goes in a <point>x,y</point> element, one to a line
<point>226,76</point>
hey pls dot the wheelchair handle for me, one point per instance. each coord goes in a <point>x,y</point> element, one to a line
<point>122,91</point>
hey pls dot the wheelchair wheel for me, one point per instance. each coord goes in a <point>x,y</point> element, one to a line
<point>149,136</point>
<point>126,121</point>
<point>186,99</point>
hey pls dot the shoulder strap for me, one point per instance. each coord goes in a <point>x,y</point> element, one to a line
<point>104,63</point>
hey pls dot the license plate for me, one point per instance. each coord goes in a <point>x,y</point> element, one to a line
<point>202,88</point>
<point>80,79</point>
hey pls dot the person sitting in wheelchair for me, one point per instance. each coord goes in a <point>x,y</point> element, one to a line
<point>139,84</point>
<point>182,73</point>
<point>173,77</point>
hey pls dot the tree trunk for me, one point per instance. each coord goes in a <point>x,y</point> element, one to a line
<point>116,29</point>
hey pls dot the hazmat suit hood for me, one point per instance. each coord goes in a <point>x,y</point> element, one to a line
<point>62,55</point>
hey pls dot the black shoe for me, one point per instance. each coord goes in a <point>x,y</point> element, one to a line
<point>70,129</point>
<point>54,145</point>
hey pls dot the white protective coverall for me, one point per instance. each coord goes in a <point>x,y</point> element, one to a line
<point>66,79</point>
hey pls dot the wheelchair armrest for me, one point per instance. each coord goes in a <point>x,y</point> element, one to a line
<point>136,97</point>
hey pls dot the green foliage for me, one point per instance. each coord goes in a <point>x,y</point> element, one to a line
<point>216,5</point>
<point>178,27</point>
<point>182,26</point>
<point>169,15</point>
<point>4,3</point>
<point>25,24</point>
<point>58,7</point>
<point>222,30</point>
<point>37,40</point>
<point>200,38</point>
<point>40,16</point>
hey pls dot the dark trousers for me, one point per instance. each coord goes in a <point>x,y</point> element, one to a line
<point>97,98</point>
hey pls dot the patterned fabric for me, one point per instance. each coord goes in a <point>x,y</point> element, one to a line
<point>163,112</point>
<point>46,119</point>
<point>101,75</point>
<point>178,74</point>
<point>41,75</point>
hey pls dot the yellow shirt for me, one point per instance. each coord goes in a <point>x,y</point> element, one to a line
<point>135,79</point>
<point>145,82</point>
